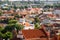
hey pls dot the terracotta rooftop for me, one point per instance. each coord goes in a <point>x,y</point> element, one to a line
<point>4,17</point>
<point>8,12</point>
<point>27,24</point>
<point>33,33</point>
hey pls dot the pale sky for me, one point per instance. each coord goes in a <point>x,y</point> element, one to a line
<point>19,0</point>
<point>33,0</point>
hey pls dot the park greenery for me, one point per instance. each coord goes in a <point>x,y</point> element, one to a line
<point>7,31</point>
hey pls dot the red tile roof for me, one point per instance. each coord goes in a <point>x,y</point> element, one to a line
<point>33,33</point>
<point>37,39</point>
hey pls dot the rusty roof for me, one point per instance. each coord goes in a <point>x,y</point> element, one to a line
<point>34,33</point>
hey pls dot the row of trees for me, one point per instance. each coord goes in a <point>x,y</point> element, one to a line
<point>48,6</point>
<point>52,6</point>
<point>21,7</point>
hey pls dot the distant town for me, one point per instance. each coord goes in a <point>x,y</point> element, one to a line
<point>32,20</point>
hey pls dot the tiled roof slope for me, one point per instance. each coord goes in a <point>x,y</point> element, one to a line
<point>33,33</point>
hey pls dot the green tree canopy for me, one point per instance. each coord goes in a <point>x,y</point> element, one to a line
<point>26,7</point>
<point>11,27</point>
<point>56,5</point>
<point>12,21</point>
<point>36,20</point>
<point>6,35</point>
<point>37,26</point>
<point>48,6</point>
<point>19,27</point>
<point>1,35</point>
<point>17,16</point>
<point>1,13</point>
<point>1,28</point>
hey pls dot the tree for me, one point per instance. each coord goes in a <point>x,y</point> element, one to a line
<point>1,13</point>
<point>19,27</point>
<point>8,35</point>
<point>36,20</point>
<point>37,26</point>
<point>1,35</point>
<point>56,5</point>
<point>12,21</point>
<point>21,7</point>
<point>11,27</point>
<point>48,6</point>
<point>14,7</point>
<point>17,16</point>
<point>1,28</point>
<point>25,7</point>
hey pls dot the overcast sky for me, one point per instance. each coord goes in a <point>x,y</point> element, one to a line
<point>33,0</point>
